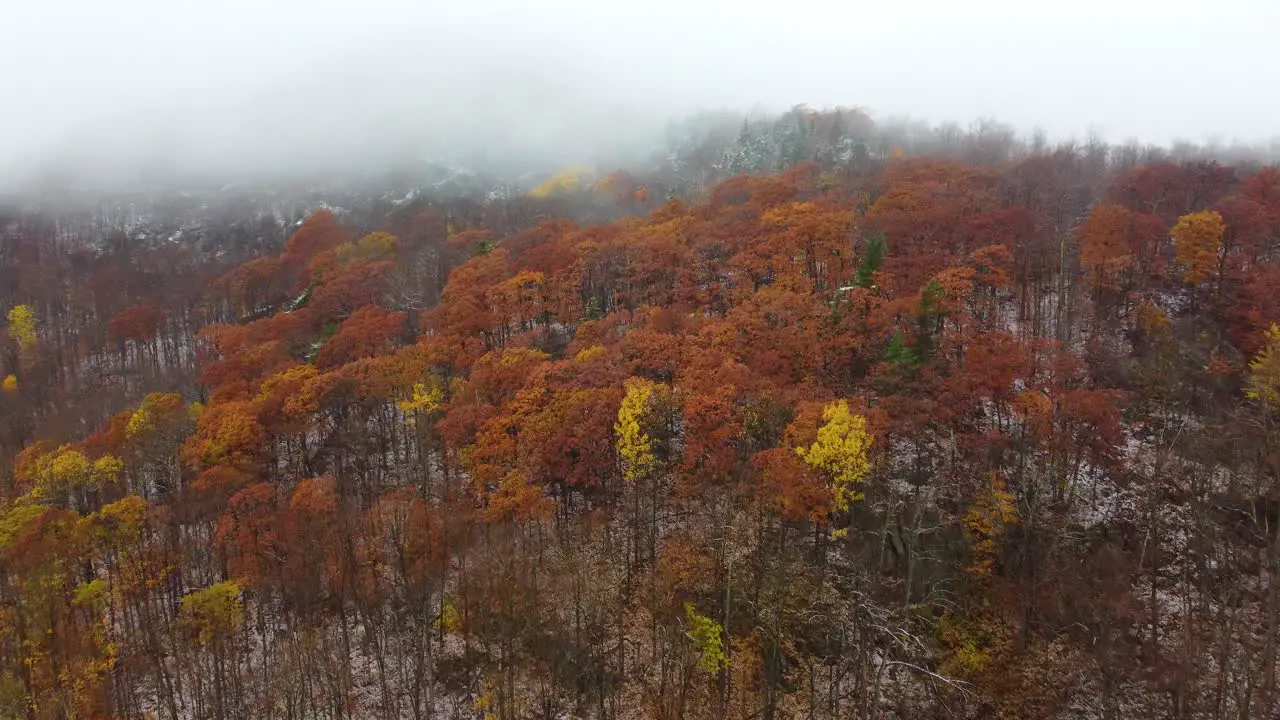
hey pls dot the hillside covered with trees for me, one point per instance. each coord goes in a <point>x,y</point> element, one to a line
<point>879,429</point>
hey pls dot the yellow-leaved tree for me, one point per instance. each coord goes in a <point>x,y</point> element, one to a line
<point>840,452</point>
<point>67,468</point>
<point>1197,241</point>
<point>374,246</point>
<point>214,613</point>
<point>565,181</point>
<point>419,402</point>
<point>1263,384</point>
<point>425,398</point>
<point>708,641</point>
<point>985,522</point>
<point>155,409</point>
<point>634,444</point>
<point>22,326</point>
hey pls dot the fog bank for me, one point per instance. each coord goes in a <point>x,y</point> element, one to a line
<point>106,92</point>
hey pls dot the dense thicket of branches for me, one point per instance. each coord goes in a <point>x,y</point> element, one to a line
<point>879,435</point>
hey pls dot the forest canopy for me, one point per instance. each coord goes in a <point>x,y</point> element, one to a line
<point>806,423</point>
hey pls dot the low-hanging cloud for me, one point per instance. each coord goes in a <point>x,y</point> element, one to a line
<point>235,88</point>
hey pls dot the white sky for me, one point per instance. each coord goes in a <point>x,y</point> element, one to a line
<point>129,76</point>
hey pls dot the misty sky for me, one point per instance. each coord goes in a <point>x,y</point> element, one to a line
<point>232,82</point>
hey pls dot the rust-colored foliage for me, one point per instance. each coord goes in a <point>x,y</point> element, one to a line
<point>138,323</point>
<point>929,211</point>
<point>792,487</point>
<point>321,231</point>
<point>464,309</point>
<point>1114,241</point>
<point>1197,239</point>
<point>370,331</point>
<point>346,290</point>
<point>712,426</point>
<point>1167,190</point>
<point>211,489</point>
<point>227,434</point>
<point>254,284</point>
<point>247,533</point>
<point>238,357</point>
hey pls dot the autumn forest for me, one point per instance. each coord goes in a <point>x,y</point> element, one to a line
<point>808,420</point>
